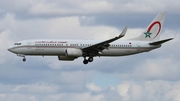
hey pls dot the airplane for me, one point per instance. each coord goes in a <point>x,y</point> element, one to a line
<point>68,50</point>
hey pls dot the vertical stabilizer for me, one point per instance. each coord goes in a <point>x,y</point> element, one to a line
<point>152,32</point>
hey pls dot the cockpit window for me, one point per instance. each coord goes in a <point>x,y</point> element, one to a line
<point>17,44</point>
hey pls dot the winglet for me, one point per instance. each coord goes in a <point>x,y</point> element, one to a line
<point>123,32</point>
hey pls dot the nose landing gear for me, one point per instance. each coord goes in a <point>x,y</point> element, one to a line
<point>24,59</point>
<point>22,55</point>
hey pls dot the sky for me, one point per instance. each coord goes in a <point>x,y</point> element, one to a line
<point>152,76</point>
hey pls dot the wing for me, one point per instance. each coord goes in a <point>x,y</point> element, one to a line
<point>96,49</point>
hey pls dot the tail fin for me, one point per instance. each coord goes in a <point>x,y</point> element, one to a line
<point>152,32</point>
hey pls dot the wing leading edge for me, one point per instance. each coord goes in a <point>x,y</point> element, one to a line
<point>96,48</point>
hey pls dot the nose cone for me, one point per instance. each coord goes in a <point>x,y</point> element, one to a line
<point>11,49</point>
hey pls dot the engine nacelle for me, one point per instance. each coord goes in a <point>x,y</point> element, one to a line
<point>66,58</point>
<point>73,52</point>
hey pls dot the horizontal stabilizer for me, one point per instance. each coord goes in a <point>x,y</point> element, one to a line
<point>160,42</point>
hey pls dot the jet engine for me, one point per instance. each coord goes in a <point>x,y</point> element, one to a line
<point>73,52</point>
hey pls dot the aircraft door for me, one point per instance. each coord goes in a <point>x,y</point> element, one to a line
<point>29,45</point>
<point>138,46</point>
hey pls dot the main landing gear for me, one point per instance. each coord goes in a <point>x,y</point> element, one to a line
<point>90,59</point>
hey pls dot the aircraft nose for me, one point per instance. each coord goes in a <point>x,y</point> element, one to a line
<point>9,49</point>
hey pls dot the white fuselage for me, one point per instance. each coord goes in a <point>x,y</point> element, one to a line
<point>68,50</point>
<point>58,47</point>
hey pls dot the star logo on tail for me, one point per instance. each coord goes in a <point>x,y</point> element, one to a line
<point>148,34</point>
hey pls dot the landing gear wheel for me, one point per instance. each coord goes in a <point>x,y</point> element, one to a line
<point>85,61</point>
<point>24,59</point>
<point>90,59</point>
